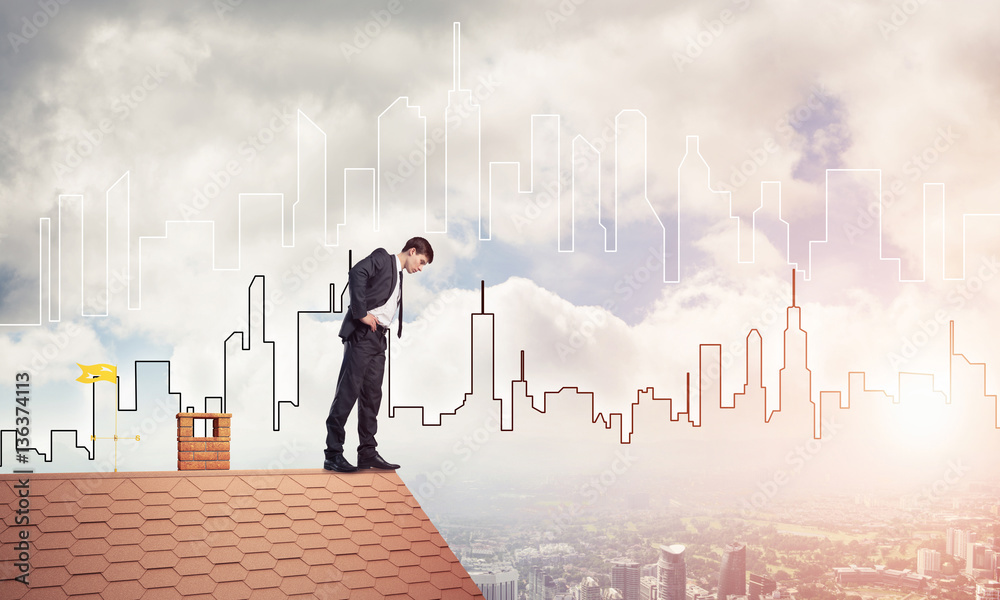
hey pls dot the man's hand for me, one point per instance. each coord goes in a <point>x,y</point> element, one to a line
<point>369,320</point>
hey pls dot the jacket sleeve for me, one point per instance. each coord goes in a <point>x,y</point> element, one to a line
<point>357,281</point>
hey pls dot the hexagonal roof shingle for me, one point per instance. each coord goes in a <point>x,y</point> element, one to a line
<point>228,535</point>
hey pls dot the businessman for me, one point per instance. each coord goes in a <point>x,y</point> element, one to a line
<point>376,289</point>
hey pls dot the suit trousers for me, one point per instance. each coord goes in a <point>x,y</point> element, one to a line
<point>360,381</point>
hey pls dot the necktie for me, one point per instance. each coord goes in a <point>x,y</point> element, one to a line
<point>399,332</point>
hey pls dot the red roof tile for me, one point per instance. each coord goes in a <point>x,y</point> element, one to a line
<point>302,527</point>
<point>128,490</point>
<point>382,569</point>
<point>191,548</point>
<point>286,550</point>
<point>221,539</point>
<point>56,509</point>
<point>151,543</point>
<point>413,574</point>
<point>87,564</point>
<point>290,567</point>
<point>213,496</point>
<point>189,517</point>
<point>334,590</point>
<point>228,572</point>
<point>225,554</point>
<point>276,521</point>
<point>349,562</point>
<point>366,538</point>
<point>123,589</point>
<point>121,537</point>
<point>317,556</point>
<point>125,521</point>
<point>370,503</point>
<point>299,584</point>
<point>185,489</point>
<point>258,561</point>
<point>217,509</point>
<point>263,579</point>
<point>277,534</point>
<point>446,581</point>
<point>124,571</point>
<point>357,580</point>
<point>48,524</point>
<point>196,584</point>
<point>158,559</point>
<point>253,545</point>
<point>96,501</point>
<point>234,536</point>
<point>89,583</point>
<point>187,503</point>
<point>50,576</point>
<point>324,573</point>
<point>234,590</point>
<point>62,539</point>
<point>403,558</point>
<point>373,552</point>
<point>194,565</point>
<point>66,492</point>
<point>91,530</point>
<point>123,553</point>
<point>150,512</point>
<point>249,530</point>
<point>271,507</point>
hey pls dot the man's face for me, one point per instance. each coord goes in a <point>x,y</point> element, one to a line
<point>414,262</point>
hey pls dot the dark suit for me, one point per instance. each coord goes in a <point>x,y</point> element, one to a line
<point>371,283</point>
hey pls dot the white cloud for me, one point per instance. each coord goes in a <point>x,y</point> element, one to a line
<point>206,110</point>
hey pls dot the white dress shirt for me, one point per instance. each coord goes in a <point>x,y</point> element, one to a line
<point>387,312</point>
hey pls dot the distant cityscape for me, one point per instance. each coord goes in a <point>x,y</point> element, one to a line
<point>862,547</point>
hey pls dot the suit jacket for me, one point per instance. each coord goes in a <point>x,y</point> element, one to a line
<point>370,283</point>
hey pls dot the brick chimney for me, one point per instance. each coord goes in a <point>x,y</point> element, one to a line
<point>203,453</point>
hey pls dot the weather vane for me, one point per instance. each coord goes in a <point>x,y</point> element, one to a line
<point>103,372</point>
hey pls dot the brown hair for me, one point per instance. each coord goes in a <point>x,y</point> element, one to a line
<point>422,246</point>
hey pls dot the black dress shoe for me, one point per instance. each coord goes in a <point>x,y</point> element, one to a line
<point>376,462</point>
<point>339,464</point>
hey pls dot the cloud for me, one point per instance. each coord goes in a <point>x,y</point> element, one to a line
<point>200,107</point>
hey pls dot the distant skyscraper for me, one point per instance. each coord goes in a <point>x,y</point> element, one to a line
<point>928,562</point>
<point>589,590</point>
<point>989,590</point>
<point>647,588</point>
<point>500,585</point>
<point>671,573</point>
<point>540,585</point>
<point>961,540</point>
<point>760,586</point>
<point>695,592</point>
<point>625,578</point>
<point>975,558</point>
<point>733,574</point>
<point>949,541</point>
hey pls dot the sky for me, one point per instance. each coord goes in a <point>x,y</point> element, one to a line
<point>625,187</point>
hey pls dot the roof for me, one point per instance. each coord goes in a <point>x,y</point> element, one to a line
<point>225,535</point>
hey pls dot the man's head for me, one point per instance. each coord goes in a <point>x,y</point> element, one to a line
<point>416,253</point>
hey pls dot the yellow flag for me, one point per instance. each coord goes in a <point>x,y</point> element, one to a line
<point>95,373</point>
